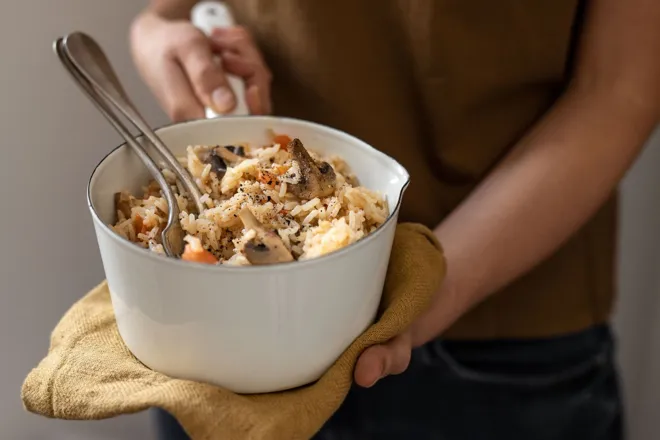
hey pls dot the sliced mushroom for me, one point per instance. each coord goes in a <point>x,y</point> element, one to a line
<point>316,179</point>
<point>222,157</point>
<point>218,166</point>
<point>266,247</point>
<point>237,150</point>
<point>229,156</point>
<point>123,204</point>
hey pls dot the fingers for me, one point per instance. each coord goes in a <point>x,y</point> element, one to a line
<point>257,84</point>
<point>180,65</point>
<point>206,76</point>
<point>237,39</point>
<point>382,360</point>
<point>175,93</point>
<point>155,44</point>
<point>241,57</point>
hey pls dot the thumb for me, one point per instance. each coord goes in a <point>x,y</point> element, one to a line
<point>382,360</point>
<point>207,77</point>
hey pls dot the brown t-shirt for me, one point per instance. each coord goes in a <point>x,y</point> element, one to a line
<point>446,87</point>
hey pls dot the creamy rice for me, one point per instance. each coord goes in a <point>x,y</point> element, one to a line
<point>267,181</point>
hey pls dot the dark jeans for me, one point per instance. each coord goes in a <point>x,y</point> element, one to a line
<point>562,388</point>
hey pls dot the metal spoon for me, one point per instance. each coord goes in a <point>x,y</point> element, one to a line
<point>88,57</point>
<point>172,235</point>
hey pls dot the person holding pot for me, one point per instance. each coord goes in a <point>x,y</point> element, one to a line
<point>516,121</point>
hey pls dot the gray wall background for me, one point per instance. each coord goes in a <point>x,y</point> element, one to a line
<point>52,139</point>
<point>637,317</point>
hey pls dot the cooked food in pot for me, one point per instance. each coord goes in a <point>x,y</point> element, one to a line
<point>264,205</point>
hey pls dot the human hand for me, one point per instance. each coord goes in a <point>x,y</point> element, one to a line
<point>378,361</point>
<point>393,357</point>
<point>178,63</point>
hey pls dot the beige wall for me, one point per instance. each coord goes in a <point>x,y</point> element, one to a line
<point>52,138</point>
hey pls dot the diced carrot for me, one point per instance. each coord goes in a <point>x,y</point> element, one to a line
<point>202,256</point>
<point>282,169</point>
<point>282,139</point>
<point>267,178</point>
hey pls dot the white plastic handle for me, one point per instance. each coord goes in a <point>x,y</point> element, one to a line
<point>207,16</point>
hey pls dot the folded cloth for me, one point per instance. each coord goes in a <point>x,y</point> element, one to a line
<point>90,374</point>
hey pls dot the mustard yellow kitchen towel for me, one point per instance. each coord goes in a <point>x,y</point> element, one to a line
<point>90,374</point>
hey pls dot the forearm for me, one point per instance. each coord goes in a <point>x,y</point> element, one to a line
<point>550,184</point>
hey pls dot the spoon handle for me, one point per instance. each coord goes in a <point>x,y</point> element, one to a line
<point>92,63</point>
<point>172,247</point>
<point>210,15</point>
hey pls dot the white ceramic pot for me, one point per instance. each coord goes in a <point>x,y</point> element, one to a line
<point>248,329</point>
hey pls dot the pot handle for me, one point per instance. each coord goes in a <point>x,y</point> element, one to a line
<point>210,15</point>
